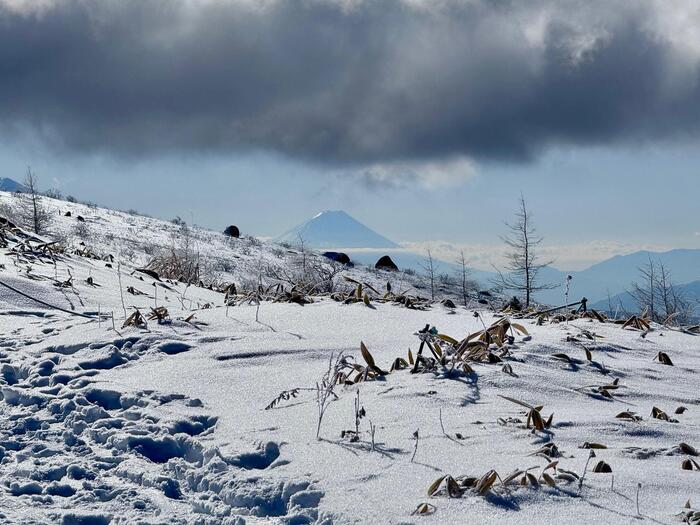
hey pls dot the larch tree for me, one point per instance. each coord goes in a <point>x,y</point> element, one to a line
<point>523,264</point>
<point>32,212</point>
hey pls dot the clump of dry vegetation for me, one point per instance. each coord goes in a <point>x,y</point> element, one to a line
<point>550,475</point>
<point>180,261</point>
<point>534,416</point>
<point>135,319</point>
<point>366,293</point>
<point>664,359</point>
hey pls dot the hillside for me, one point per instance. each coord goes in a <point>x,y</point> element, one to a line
<point>210,415</point>
<point>136,239</point>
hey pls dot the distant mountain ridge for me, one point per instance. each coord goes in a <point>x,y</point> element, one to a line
<point>613,276</point>
<point>690,292</point>
<point>335,229</point>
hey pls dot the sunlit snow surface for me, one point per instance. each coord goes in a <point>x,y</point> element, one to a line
<point>167,424</point>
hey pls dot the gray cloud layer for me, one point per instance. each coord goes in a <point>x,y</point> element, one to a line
<point>352,83</point>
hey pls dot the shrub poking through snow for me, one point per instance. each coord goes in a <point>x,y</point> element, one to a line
<point>135,319</point>
<point>326,386</point>
<point>601,391</point>
<point>366,293</point>
<point>636,322</point>
<point>657,413</point>
<point>159,314</point>
<point>359,413</point>
<point>285,395</point>
<point>491,481</point>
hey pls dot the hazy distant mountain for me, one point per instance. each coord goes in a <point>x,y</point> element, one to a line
<point>11,185</point>
<point>336,229</point>
<point>613,276</point>
<point>689,292</point>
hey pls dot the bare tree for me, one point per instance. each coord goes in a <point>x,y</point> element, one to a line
<point>644,291</point>
<point>466,284</point>
<point>303,252</point>
<point>656,294</point>
<point>32,212</point>
<point>523,264</point>
<point>429,269</point>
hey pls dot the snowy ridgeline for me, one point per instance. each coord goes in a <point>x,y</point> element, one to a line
<point>166,422</point>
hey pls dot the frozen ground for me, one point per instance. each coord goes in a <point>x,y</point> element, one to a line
<point>167,424</point>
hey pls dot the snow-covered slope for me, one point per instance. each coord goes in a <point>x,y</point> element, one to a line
<point>335,229</point>
<point>167,423</point>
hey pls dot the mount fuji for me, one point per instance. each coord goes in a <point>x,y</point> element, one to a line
<point>336,229</point>
<point>11,185</point>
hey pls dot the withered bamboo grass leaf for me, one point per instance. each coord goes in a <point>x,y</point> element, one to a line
<point>687,449</point>
<point>486,482</point>
<point>602,468</point>
<point>588,445</point>
<point>435,485</point>
<point>549,480</point>
<point>370,360</point>
<point>424,509</point>
<point>690,464</point>
<point>629,416</point>
<point>664,359</point>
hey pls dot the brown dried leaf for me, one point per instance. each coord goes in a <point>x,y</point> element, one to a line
<point>486,482</point>
<point>435,485</point>
<point>549,480</point>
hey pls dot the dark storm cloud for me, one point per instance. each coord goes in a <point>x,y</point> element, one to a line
<point>344,82</point>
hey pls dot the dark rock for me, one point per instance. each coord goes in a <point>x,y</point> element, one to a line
<point>385,263</point>
<point>148,272</point>
<point>8,224</point>
<point>232,231</point>
<point>80,218</point>
<point>339,257</point>
<point>68,214</point>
